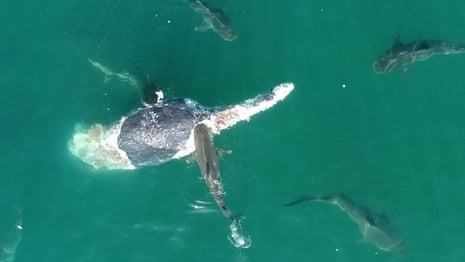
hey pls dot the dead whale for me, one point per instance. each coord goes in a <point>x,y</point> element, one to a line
<point>163,131</point>
<point>167,130</point>
<point>374,227</point>
<point>402,55</point>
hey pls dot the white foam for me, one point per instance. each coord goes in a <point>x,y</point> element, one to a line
<point>231,115</point>
<point>99,148</point>
<point>238,237</point>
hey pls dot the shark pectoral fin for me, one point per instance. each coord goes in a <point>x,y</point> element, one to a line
<point>191,158</point>
<point>377,220</point>
<point>363,240</point>
<point>221,152</point>
<point>382,219</point>
<point>204,26</point>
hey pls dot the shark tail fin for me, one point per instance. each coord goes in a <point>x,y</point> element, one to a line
<point>236,218</point>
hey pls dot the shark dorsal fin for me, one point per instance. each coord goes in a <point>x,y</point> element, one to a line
<point>370,220</point>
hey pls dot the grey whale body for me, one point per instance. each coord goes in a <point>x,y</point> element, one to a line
<point>172,122</point>
<point>402,55</point>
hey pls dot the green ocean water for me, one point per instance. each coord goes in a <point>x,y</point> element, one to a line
<point>394,142</point>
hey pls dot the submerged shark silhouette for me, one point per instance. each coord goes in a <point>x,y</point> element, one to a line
<point>213,18</point>
<point>374,227</point>
<point>11,237</point>
<point>402,55</point>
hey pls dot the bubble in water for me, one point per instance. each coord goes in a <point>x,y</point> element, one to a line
<point>238,237</point>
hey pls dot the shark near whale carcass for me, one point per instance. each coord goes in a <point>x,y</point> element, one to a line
<point>401,55</point>
<point>375,227</point>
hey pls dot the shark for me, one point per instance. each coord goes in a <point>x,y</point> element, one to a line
<point>374,227</point>
<point>213,18</point>
<point>207,158</point>
<point>10,239</point>
<point>401,55</point>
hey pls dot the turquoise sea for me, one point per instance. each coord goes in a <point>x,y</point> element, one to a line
<point>392,142</point>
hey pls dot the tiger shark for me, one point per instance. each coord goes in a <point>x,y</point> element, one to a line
<point>374,227</point>
<point>10,239</point>
<point>209,165</point>
<point>402,55</point>
<point>213,18</point>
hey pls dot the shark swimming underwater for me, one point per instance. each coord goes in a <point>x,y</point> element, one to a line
<point>213,18</point>
<point>402,55</point>
<point>374,227</point>
<point>10,237</point>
